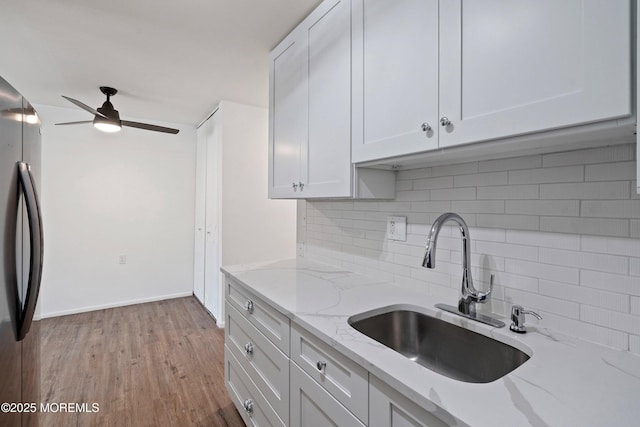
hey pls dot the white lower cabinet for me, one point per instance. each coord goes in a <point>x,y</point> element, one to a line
<point>388,408</point>
<point>280,374</point>
<point>252,405</point>
<point>313,406</point>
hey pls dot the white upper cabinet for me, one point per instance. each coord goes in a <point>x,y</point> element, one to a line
<point>395,77</point>
<point>310,107</point>
<point>481,70</point>
<point>510,68</point>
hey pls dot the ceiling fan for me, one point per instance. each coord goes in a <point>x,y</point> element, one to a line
<point>107,118</point>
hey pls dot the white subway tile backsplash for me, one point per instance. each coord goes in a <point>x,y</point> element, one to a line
<point>584,260</point>
<point>599,226</point>
<point>413,174</point>
<point>545,175</point>
<point>514,163</point>
<point>478,206</point>
<point>589,156</point>
<point>412,196</point>
<point>543,303</point>
<point>455,169</point>
<point>611,171</point>
<point>545,240</point>
<point>611,245</point>
<point>514,222</point>
<point>613,282</point>
<point>433,183</point>
<point>506,192</point>
<point>465,193</point>
<point>586,190</point>
<point>634,344</point>
<point>611,319</point>
<point>584,295</point>
<point>549,272</point>
<point>560,232</point>
<point>610,208</point>
<point>507,250</point>
<point>543,207</point>
<point>586,331</point>
<point>634,266</point>
<point>480,179</point>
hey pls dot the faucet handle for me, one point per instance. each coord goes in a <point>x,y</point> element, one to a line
<point>517,318</point>
<point>481,296</point>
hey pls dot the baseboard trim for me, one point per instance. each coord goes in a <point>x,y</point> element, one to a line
<point>113,305</point>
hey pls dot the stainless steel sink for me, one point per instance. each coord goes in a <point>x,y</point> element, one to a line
<point>440,346</point>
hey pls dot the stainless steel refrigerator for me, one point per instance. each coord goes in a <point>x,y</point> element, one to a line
<point>21,255</point>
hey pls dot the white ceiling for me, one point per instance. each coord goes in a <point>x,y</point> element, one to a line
<point>171,60</point>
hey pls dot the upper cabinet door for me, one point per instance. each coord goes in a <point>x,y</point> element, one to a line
<point>326,158</point>
<point>395,77</point>
<point>288,115</point>
<point>510,67</point>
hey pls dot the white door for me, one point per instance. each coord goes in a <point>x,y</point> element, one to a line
<point>213,281</point>
<point>287,116</point>
<point>395,77</point>
<point>199,232</point>
<point>326,158</point>
<point>508,68</point>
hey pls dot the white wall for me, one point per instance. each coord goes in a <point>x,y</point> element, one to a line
<point>107,195</point>
<point>561,233</point>
<point>254,228</point>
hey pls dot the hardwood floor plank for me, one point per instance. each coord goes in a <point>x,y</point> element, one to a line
<point>154,364</point>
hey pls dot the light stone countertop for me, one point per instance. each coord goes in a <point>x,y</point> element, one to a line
<point>566,382</point>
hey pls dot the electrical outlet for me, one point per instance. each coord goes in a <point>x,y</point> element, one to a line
<point>122,259</point>
<point>300,249</point>
<point>397,228</point>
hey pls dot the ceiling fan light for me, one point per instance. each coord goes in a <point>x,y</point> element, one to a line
<point>105,125</point>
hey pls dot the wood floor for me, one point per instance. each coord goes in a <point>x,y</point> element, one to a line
<point>155,364</point>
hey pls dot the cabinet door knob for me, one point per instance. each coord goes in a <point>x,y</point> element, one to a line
<point>445,121</point>
<point>248,405</point>
<point>295,186</point>
<point>321,365</point>
<point>426,127</point>
<point>248,348</point>
<point>301,185</point>
<point>249,306</point>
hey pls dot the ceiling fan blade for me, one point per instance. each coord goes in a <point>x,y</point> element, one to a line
<point>84,106</point>
<point>75,123</point>
<point>147,126</point>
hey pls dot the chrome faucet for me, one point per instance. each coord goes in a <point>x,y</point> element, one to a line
<point>469,295</point>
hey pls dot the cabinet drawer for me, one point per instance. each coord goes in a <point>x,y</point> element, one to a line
<point>243,391</point>
<point>344,379</point>
<point>312,405</point>
<point>267,366</point>
<point>273,324</point>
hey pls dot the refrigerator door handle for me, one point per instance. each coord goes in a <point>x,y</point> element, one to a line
<point>36,247</point>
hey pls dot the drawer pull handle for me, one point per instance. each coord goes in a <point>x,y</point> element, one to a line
<point>321,366</point>
<point>248,348</point>
<point>248,405</point>
<point>249,306</point>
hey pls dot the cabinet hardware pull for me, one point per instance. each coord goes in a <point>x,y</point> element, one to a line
<point>321,365</point>
<point>295,186</point>
<point>249,306</point>
<point>248,405</point>
<point>426,127</point>
<point>301,185</point>
<point>248,348</point>
<point>445,121</point>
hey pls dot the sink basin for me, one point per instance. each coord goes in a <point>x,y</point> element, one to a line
<point>440,346</point>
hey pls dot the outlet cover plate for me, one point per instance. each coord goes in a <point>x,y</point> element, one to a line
<point>397,228</point>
